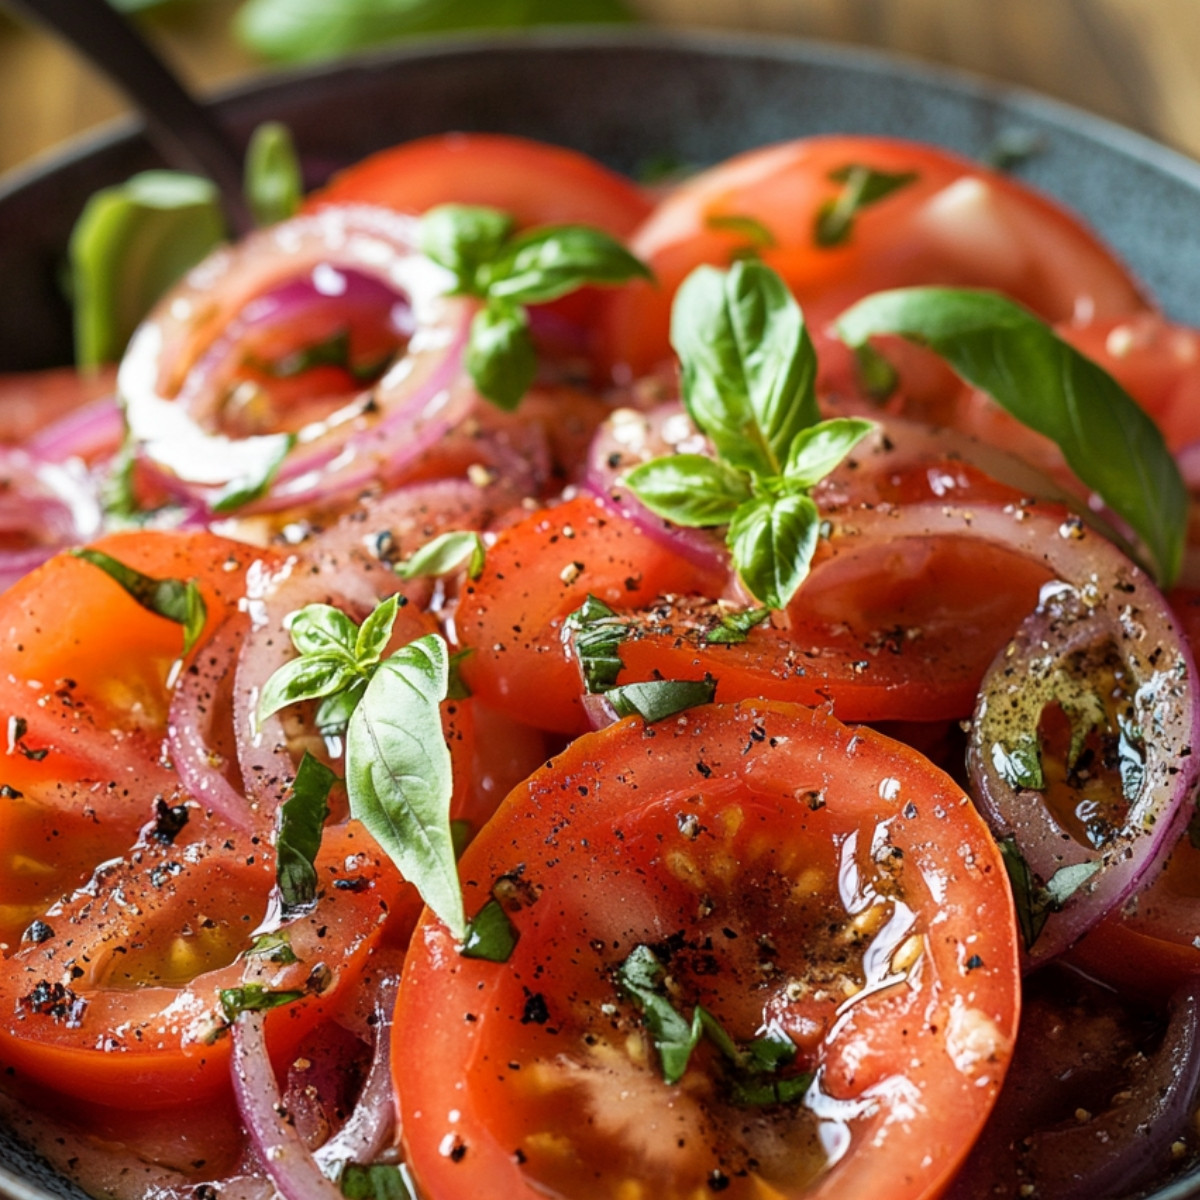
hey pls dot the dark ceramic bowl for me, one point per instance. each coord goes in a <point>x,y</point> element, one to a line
<point>628,99</point>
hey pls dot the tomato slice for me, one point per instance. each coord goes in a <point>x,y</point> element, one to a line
<point>956,223</point>
<point>538,572</point>
<point>537,183</point>
<point>116,995</point>
<point>795,876</point>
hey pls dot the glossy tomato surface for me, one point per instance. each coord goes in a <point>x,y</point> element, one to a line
<point>792,875</point>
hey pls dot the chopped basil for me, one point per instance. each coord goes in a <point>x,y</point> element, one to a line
<point>237,493</point>
<point>748,372</point>
<point>377,1181</point>
<point>301,823</point>
<point>1107,439</point>
<point>174,599</point>
<point>253,997</point>
<point>1020,766</point>
<point>758,235</point>
<point>490,934</point>
<point>735,627</point>
<point>508,271</point>
<point>596,632</point>
<point>750,1069</point>
<point>398,772</point>
<point>660,698</point>
<point>275,947</point>
<point>273,183</point>
<point>1036,902</point>
<point>862,186</point>
<point>444,555</point>
<point>457,687</point>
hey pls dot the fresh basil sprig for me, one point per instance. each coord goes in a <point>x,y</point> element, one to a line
<point>508,271</point>
<point>177,600</point>
<point>1001,348</point>
<point>748,372</point>
<point>398,772</point>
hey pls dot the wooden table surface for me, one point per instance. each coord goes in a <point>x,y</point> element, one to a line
<point>1132,60</point>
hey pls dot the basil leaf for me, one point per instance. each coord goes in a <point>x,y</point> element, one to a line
<point>456,688</point>
<point>640,977</point>
<point>1031,912</point>
<point>130,244</point>
<point>273,183</point>
<point>761,1093</point>
<point>748,365</point>
<point>444,555</point>
<point>275,947</point>
<point>301,823</point>
<point>863,187</point>
<point>735,627</point>
<point>547,263</point>
<point>660,698</point>
<point>1020,766</point>
<point>461,238</point>
<point>751,228</point>
<point>772,540</point>
<point>596,631</point>
<point>1106,438</point>
<point>174,599</point>
<point>689,489</point>
<point>309,677</point>
<point>500,358</point>
<point>323,629</point>
<point>490,934</point>
<point>253,997</point>
<point>237,493</point>
<point>307,30</point>
<point>818,449</point>
<point>1066,881</point>
<point>335,710</point>
<point>377,1181</point>
<point>398,772</point>
<point>375,632</point>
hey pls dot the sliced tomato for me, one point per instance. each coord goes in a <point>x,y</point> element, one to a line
<point>117,992</point>
<point>538,572</point>
<point>955,223</point>
<point>792,876</point>
<point>537,183</point>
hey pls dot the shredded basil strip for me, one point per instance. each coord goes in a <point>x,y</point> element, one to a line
<point>748,374</point>
<point>398,772</point>
<point>862,186</point>
<point>175,599</point>
<point>660,698</point>
<point>596,631</point>
<point>376,1181</point>
<point>734,627</point>
<point>508,271</point>
<point>275,947</point>
<point>253,997</point>
<point>1036,902</point>
<point>237,493</point>
<point>490,935</point>
<point>301,823</point>
<point>759,236</point>
<point>1104,435</point>
<point>444,555</point>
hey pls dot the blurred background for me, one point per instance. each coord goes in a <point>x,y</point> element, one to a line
<point>1130,60</point>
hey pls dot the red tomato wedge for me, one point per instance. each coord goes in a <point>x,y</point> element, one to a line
<point>537,183</point>
<point>954,223</point>
<point>793,876</point>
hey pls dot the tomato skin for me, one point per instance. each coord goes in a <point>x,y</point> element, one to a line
<point>539,184</point>
<point>536,574</point>
<point>601,854</point>
<point>114,1034</point>
<point>1002,235</point>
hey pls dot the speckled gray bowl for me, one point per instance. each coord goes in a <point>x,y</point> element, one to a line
<point>628,99</point>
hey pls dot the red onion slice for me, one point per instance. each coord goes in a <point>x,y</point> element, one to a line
<point>91,432</point>
<point>630,437</point>
<point>170,370</point>
<point>284,1156</point>
<point>1105,650</point>
<point>200,699</point>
